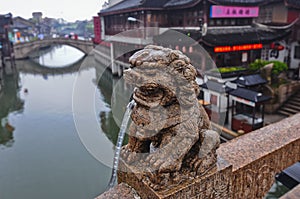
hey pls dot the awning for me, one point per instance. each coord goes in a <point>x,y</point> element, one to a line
<point>249,95</point>
<point>250,80</point>
<point>216,86</point>
<point>251,35</point>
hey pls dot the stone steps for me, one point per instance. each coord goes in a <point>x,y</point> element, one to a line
<point>294,103</point>
<point>296,100</point>
<point>291,107</point>
<point>290,110</point>
<point>284,113</point>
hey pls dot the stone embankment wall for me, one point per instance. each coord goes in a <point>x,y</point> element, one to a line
<point>284,92</point>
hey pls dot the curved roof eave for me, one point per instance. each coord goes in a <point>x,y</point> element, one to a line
<point>127,10</point>
<point>180,6</point>
<point>141,7</point>
<point>242,2</point>
<point>292,4</point>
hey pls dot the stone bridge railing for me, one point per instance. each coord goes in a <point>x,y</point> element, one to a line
<point>246,167</point>
<point>22,50</point>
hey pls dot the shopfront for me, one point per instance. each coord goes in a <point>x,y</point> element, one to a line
<point>247,110</point>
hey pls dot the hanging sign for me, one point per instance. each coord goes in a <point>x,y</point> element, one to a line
<point>243,101</point>
<point>233,12</point>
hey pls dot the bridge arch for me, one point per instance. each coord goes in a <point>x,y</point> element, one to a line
<point>22,50</point>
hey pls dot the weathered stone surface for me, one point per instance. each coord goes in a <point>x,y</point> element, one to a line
<point>214,184</point>
<point>121,191</point>
<point>246,166</point>
<point>257,156</point>
<point>170,139</point>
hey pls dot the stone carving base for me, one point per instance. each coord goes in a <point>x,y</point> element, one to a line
<point>216,183</point>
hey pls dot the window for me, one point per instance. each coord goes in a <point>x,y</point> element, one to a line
<point>265,53</point>
<point>244,109</point>
<point>232,22</point>
<point>265,15</point>
<point>297,52</point>
<point>195,14</point>
<point>214,99</point>
<point>226,22</point>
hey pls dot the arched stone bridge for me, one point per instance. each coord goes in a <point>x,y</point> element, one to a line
<point>22,50</point>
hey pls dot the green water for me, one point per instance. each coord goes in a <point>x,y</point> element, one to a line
<point>41,153</point>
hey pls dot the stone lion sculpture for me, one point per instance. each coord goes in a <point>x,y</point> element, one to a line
<point>170,133</point>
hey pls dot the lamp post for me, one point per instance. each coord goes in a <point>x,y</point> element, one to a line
<point>133,19</point>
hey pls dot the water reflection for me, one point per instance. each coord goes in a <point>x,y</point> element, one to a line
<point>31,67</point>
<point>9,102</point>
<point>117,94</point>
<point>57,56</point>
<point>46,158</point>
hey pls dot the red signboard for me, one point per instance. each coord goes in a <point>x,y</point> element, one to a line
<point>222,49</point>
<point>233,12</point>
<point>97,30</point>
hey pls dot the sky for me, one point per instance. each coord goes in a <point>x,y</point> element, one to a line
<point>70,10</point>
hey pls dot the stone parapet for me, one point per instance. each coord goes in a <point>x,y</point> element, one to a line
<point>246,166</point>
<point>257,156</point>
<point>213,184</point>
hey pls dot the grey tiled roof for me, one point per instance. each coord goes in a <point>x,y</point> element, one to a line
<point>172,3</point>
<point>126,4</point>
<point>216,86</point>
<point>250,80</point>
<point>249,95</point>
<point>147,4</point>
<point>244,2</point>
<point>216,37</point>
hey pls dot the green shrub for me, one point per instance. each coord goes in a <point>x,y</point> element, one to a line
<point>278,66</point>
<point>228,69</point>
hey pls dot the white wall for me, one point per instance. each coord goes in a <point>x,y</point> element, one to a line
<point>222,99</point>
<point>294,61</point>
<point>281,54</point>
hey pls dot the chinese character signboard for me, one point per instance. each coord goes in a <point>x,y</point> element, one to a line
<point>233,12</point>
<point>244,47</point>
<point>97,29</point>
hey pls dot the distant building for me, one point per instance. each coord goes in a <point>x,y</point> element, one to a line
<point>113,2</point>
<point>23,29</point>
<point>37,17</point>
<point>282,16</point>
<point>235,32</point>
<point>6,37</point>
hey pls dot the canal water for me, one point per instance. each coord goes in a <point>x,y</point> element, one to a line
<point>42,154</point>
<point>59,120</point>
